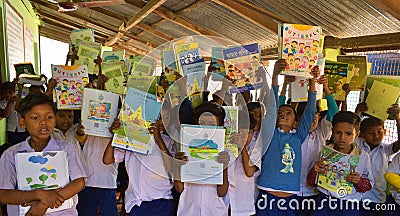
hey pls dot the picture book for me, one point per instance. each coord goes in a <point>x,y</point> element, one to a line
<point>360,70</point>
<point>42,170</point>
<point>70,83</point>
<point>143,83</point>
<point>231,122</point>
<point>187,53</point>
<point>116,79</point>
<point>113,56</point>
<point>380,97</point>
<point>241,63</point>
<point>121,141</point>
<point>24,68</point>
<point>300,47</point>
<point>217,64</point>
<point>99,111</point>
<point>79,35</point>
<point>169,73</point>
<point>143,66</point>
<point>202,144</point>
<point>298,89</point>
<point>194,87</point>
<point>87,53</point>
<point>339,166</point>
<point>370,79</point>
<point>338,74</point>
<point>139,110</point>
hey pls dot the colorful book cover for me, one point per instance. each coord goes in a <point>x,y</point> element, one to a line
<point>338,74</point>
<point>121,141</point>
<point>300,47</point>
<point>87,53</point>
<point>217,64</point>
<point>143,83</point>
<point>360,70</point>
<point>113,56</point>
<point>299,88</point>
<point>70,83</point>
<point>24,68</point>
<point>202,144</point>
<point>79,35</point>
<point>42,170</point>
<point>116,79</point>
<point>139,110</point>
<point>231,122</point>
<point>99,110</point>
<point>339,166</point>
<point>381,96</point>
<point>186,53</point>
<point>194,87</point>
<point>241,64</point>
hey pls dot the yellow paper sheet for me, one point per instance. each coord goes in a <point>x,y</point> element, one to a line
<point>380,98</point>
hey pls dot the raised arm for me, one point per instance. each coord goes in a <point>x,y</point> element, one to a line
<point>394,111</point>
<point>332,106</point>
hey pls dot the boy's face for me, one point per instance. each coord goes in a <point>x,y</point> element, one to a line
<point>286,118</point>
<point>344,134</point>
<point>8,94</point>
<point>256,113</point>
<point>64,119</point>
<point>374,135</point>
<point>207,119</point>
<point>39,122</point>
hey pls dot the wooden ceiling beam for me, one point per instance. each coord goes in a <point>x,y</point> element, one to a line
<point>258,9</point>
<point>153,31</point>
<point>110,13</point>
<point>148,8</point>
<point>190,7</point>
<point>250,15</point>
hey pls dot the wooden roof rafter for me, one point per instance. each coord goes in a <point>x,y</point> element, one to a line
<point>148,8</point>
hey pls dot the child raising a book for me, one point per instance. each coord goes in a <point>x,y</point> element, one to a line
<point>346,127</point>
<point>37,117</point>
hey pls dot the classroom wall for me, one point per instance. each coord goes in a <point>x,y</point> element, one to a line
<point>25,10</point>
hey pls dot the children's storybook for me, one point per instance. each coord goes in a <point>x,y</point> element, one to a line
<point>202,144</point>
<point>26,74</point>
<point>24,68</point>
<point>370,79</point>
<point>300,47</point>
<point>381,96</point>
<point>169,73</point>
<point>360,71</point>
<point>338,74</point>
<point>139,110</point>
<point>143,65</point>
<point>87,53</point>
<point>339,165</point>
<point>231,124</point>
<point>42,170</point>
<point>241,64</point>
<point>99,111</point>
<point>143,83</point>
<point>299,88</point>
<point>79,35</point>
<point>116,78</point>
<point>217,64</point>
<point>70,83</point>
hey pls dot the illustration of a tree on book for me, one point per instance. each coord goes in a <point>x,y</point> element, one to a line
<point>45,173</point>
<point>339,165</point>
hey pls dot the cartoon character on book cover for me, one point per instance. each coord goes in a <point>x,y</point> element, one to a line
<point>339,165</point>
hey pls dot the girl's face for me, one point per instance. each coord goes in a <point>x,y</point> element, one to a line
<point>343,135</point>
<point>256,113</point>
<point>208,119</point>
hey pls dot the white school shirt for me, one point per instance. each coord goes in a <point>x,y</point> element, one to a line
<point>394,167</point>
<point>70,137</point>
<point>8,177</point>
<point>310,150</point>
<point>242,189</point>
<point>365,171</point>
<point>12,120</point>
<point>379,157</point>
<point>102,176</point>
<point>148,179</point>
<point>201,200</point>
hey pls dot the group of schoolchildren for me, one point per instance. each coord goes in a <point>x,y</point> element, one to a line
<point>276,179</point>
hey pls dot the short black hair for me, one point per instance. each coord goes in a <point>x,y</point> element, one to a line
<point>253,105</point>
<point>8,86</point>
<point>371,122</point>
<point>296,116</point>
<point>346,116</point>
<point>34,99</point>
<point>211,107</point>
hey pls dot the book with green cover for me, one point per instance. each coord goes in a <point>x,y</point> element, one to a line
<point>360,70</point>
<point>116,79</point>
<point>87,53</point>
<point>338,74</point>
